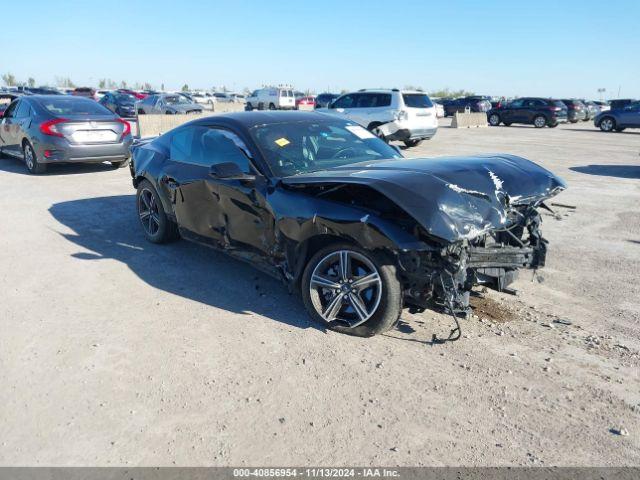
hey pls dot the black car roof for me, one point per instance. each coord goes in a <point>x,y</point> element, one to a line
<point>251,119</point>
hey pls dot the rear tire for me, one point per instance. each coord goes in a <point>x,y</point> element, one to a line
<point>272,106</point>
<point>387,311</point>
<point>413,143</point>
<point>249,107</point>
<point>540,121</point>
<point>494,120</point>
<point>155,224</point>
<point>31,160</point>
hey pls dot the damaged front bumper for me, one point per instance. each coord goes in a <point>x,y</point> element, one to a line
<point>444,276</point>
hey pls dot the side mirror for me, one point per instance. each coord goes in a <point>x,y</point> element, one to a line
<point>229,171</point>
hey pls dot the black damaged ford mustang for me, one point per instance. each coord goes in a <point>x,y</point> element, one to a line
<point>342,217</point>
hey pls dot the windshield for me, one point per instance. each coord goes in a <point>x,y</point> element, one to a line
<point>125,98</point>
<point>417,100</point>
<point>307,146</point>
<point>73,106</point>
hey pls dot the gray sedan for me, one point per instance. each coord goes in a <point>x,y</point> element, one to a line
<point>167,103</point>
<point>44,129</point>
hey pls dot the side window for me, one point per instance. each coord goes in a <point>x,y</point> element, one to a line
<point>23,110</point>
<point>346,101</point>
<point>181,141</point>
<point>11,110</point>
<point>212,146</point>
<point>517,103</point>
<point>364,100</point>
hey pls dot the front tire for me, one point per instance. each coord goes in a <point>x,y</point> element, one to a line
<point>352,290</point>
<point>413,143</point>
<point>607,124</point>
<point>272,106</point>
<point>31,160</point>
<point>249,107</point>
<point>156,225</point>
<point>494,120</point>
<point>540,121</point>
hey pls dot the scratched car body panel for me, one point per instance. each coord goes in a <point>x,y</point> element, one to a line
<point>307,181</point>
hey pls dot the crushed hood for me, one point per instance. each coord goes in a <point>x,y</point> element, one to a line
<point>453,198</point>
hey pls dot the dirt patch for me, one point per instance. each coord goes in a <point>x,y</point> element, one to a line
<point>488,308</point>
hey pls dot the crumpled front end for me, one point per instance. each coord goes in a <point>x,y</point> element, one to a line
<point>444,276</point>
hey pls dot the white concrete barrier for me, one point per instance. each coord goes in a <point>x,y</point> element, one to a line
<point>467,120</point>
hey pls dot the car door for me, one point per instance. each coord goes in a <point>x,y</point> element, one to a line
<point>343,105</point>
<point>8,138</point>
<point>196,204</point>
<point>629,116</point>
<point>514,111</point>
<point>17,127</point>
<point>246,220</point>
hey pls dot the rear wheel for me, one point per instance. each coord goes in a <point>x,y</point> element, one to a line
<point>272,106</point>
<point>249,107</point>
<point>540,121</point>
<point>494,119</point>
<point>607,124</point>
<point>352,291</point>
<point>155,224</point>
<point>31,160</point>
<point>413,143</point>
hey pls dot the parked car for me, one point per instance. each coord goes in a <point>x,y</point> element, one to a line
<point>602,106</point>
<point>576,110</point>
<point>539,112</point>
<point>86,92</point>
<point>5,100</point>
<point>238,98</point>
<point>620,103</point>
<point>222,97</point>
<point>45,129</point>
<point>308,102</point>
<point>138,95</point>
<point>619,118</point>
<point>340,216</point>
<point>591,110</point>
<point>474,103</point>
<point>121,104</point>
<point>272,99</point>
<point>166,103</point>
<point>324,99</point>
<point>203,98</point>
<point>407,116</point>
<point>42,91</point>
<point>439,109</point>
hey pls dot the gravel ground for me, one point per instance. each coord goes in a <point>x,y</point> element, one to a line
<point>114,351</point>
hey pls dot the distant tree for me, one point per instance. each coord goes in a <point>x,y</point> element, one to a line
<point>445,92</point>
<point>65,82</point>
<point>246,91</point>
<point>111,84</point>
<point>31,82</point>
<point>162,87</point>
<point>102,83</point>
<point>147,86</point>
<point>9,79</point>
<point>185,88</point>
<point>123,84</point>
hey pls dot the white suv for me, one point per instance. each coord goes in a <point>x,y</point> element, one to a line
<point>404,115</point>
<point>272,99</point>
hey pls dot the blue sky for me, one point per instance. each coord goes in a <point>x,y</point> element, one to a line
<point>550,48</point>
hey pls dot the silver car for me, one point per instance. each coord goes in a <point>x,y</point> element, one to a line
<point>44,129</point>
<point>167,103</point>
